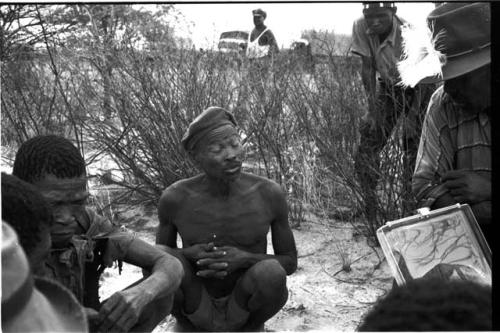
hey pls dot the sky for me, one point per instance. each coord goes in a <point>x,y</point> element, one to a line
<point>203,23</point>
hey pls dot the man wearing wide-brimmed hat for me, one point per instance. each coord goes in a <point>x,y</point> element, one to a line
<point>261,42</point>
<point>377,40</point>
<point>454,157</point>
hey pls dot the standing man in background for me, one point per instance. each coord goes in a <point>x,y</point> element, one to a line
<point>377,40</point>
<point>261,52</point>
<point>262,42</point>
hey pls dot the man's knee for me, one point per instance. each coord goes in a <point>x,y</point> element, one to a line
<point>268,275</point>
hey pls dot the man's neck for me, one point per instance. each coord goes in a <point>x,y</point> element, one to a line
<point>382,37</point>
<point>260,27</point>
<point>219,187</point>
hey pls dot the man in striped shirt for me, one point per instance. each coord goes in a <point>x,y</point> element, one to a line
<point>454,156</point>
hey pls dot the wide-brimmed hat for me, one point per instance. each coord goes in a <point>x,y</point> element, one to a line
<point>34,304</point>
<point>456,41</point>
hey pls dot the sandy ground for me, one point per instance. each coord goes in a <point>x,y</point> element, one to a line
<point>322,296</point>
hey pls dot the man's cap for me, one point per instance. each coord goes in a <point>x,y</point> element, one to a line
<point>457,42</point>
<point>210,119</point>
<point>375,5</point>
<point>259,12</point>
<point>34,305</point>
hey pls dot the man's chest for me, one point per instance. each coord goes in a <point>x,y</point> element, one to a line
<point>245,221</point>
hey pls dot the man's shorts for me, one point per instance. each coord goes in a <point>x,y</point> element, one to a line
<point>218,314</point>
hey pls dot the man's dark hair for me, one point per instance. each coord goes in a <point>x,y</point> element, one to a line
<point>432,305</point>
<point>24,208</point>
<point>48,154</point>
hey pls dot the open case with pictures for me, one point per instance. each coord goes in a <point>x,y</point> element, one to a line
<point>445,243</point>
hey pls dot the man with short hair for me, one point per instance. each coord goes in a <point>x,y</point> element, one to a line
<point>377,40</point>
<point>223,217</point>
<point>261,42</point>
<point>84,243</point>
<point>454,157</point>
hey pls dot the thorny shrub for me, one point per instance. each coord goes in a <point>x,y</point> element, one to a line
<point>300,125</point>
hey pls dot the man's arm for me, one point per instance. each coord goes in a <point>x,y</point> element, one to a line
<point>369,83</point>
<point>273,44</point>
<point>167,232</point>
<point>434,158</point>
<point>122,310</point>
<point>282,236</point>
<point>361,47</point>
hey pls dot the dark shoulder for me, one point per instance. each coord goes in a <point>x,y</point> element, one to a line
<point>265,186</point>
<point>177,192</point>
<point>269,32</point>
<point>438,104</point>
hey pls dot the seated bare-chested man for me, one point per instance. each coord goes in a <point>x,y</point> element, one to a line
<point>223,216</point>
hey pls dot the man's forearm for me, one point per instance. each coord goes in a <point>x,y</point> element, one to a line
<point>443,201</point>
<point>288,262</point>
<point>165,278</point>
<point>368,79</point>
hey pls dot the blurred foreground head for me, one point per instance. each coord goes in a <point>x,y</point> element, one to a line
<point>432,305</point>
<point>48,154</point>
<point>24,208</point>
<point>34,305</point>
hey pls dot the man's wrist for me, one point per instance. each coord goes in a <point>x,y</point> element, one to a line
<point>251,259</point>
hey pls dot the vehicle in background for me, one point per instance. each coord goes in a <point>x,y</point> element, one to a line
<point>235,41</point>
<point>301,50</point>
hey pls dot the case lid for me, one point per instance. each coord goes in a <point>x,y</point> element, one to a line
<point>445,243</point>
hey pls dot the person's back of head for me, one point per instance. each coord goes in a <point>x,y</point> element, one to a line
<point>48,154</point>
<point>29,214</point>
<point>34,304</point>
<point>432,305</point>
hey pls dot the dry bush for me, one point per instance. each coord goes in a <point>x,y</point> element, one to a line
<point>301,126</point>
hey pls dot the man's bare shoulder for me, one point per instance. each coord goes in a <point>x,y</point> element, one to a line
<point>179,190</point>
<point>264,185</point>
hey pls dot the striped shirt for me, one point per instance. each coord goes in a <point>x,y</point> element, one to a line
<point>452,139</point>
